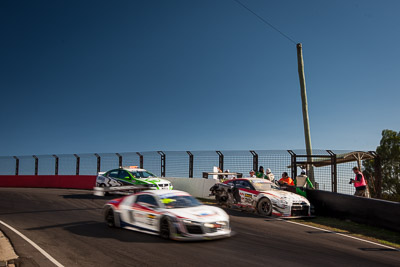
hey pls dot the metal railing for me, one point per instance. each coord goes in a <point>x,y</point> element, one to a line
<point>186,164</point>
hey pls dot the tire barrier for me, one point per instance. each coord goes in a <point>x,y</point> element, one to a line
<point>374,212</point>
<point>49,181</point>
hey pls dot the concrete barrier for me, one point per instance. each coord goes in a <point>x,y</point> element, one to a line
<point>197,187</point>
<point>369,211</point>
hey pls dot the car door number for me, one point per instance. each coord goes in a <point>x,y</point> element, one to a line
<point>246,197</point>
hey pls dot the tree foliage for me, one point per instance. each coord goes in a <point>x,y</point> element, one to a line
<point>389,158</point>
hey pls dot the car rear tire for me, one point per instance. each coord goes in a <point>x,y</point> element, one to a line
<point>105,193</point>
<point>165,228</point>
<point>110,218</point>
<point>264,207</point>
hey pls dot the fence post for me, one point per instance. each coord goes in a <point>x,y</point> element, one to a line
<point>333,170</point>
<point>221,160</point>
<point>98,162</point>
<point>78,159</point>
<point>119,159</point>
<point>162,163</point>
<point>16,165</point>
<point>255,160</point>
<point>56,165</point>
<point>293,164</point>
<point>36,164</point>
<point>190,164</point>
<point>141,159</point>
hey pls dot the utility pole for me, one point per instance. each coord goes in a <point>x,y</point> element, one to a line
<point>306,122</point>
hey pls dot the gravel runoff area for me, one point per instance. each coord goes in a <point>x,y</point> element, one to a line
<point>7,253</point>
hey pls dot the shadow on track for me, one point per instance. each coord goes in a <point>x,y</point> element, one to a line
<point>102,231</point>
<point>99,230</point>
<point>379,249</point>
<point>247,214</point>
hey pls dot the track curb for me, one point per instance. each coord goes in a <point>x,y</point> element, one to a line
<point>7,253</point>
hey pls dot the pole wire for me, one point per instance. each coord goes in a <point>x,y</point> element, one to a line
<point>265,21</point>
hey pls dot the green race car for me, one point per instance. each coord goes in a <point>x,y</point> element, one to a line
<point>131,176</point>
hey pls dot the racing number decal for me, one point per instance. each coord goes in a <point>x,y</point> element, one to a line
<point>246,198</point>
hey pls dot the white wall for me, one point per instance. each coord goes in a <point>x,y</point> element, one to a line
<point>197,187</point>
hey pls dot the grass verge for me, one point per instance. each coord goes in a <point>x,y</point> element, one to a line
<point>374,234</point>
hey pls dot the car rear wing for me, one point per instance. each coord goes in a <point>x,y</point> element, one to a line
<point>119,190</point>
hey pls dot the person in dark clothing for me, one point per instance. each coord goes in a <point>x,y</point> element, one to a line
<point>260,173</point>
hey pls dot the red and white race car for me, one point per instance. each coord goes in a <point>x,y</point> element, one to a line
<point>262,196</point>
<point>169,213</point>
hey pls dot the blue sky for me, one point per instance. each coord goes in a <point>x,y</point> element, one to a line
<point>118,76</point>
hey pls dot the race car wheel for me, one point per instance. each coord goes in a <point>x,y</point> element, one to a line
<point>165,228</point>
<point>110,218</point>
<point>264,207</point>
<point>105,193</point>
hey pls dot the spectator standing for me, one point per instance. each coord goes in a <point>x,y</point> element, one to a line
<point>260,173</point>
<point>252,174</point>
<point>269,175</point>
<point>359,183</point>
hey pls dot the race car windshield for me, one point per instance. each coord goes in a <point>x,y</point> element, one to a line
<point>175,202</point>
<point>142,174</point>
<point>260,186</point>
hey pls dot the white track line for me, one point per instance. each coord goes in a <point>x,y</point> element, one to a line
<point>47,255</point>
<point>359,239</point>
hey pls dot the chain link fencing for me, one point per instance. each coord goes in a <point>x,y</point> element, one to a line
<point>177,164</point>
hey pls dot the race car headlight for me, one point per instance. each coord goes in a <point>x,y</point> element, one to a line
<point>215,225</point>
<point>186,221</point>
<point>211,225</point>
<point>282,202</point>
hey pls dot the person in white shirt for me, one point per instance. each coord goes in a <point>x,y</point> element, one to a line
<point>269,175</point>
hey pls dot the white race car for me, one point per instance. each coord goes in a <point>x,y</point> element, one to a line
<point>262,196</point>
<point>132,175</point>
<point>169,213</point>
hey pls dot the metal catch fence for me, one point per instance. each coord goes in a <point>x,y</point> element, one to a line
<point>189,164</point>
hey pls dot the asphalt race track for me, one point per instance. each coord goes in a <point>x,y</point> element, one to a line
<point>68,225</point>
